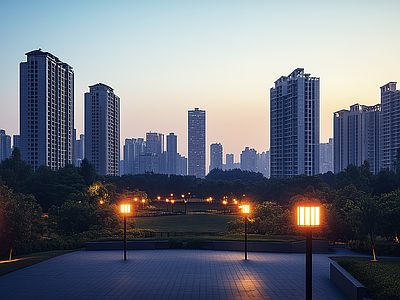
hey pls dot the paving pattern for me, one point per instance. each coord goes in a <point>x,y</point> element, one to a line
<point>171,274</point>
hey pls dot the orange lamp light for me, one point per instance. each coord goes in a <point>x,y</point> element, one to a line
<point>308,216</point>
<point>125,208</point>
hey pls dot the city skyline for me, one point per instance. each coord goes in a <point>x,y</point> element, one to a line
<point>176,55</point>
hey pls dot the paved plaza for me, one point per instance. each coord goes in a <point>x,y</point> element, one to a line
<point>171,274</point>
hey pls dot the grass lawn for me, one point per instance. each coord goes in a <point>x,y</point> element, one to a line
<point>381,278</point>
<point>23,261</point>
<point>189,223</point>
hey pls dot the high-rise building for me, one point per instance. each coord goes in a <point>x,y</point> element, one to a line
<point>356,137</point>
<point>46,110</point>
<point>229,161</point>
<point>172,153</point>
<point>154,143</point>
<point>248,160</point>
<point>181,165</point>
<point>294,125</point>
<point>132,149</point>
<point>389,124</point>
<point>5,145</point>
<point>80,149</point>
<point>263,163</point>
<point>197,143</point>
<point>326,157</point>
<point>16,141</point>
<point>102,129</point>
<point>216,152</point>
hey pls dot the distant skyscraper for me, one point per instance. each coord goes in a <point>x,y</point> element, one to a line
<point>46,110</point>
<point>16,141</point>
<point>216,152</point>
<point>389,124</point>
<point>248,160</point>
<point>356,137</point>
<point>172,153</point>
<point>154,143</point>
<point>294,125</point>
<point>80,149</point>
<point>181,165</point>
<point>197,142</point>
<point>5,145</point>
<point>263,163</point>
<point>133,148</point>
<point>326,157</point>
<point>229,161</point>
<point>102,129</point>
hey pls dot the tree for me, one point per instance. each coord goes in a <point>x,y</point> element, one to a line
<point>75,215</point>
<point>21,220</point>
<point>389,209</point>
<point>14,170</point>
<point>88,172</point>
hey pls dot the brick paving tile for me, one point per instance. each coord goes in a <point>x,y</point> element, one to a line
<point>171,275</point>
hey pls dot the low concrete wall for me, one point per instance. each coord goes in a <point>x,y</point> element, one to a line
<point>347,283</point>
<point>319,246</point>
<point>131,245</point>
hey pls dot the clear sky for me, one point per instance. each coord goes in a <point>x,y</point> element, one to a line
<point>164,58</point>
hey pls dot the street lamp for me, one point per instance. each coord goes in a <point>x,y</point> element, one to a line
<point>308,218</point>
<point>158,200</point>
<point>245,210</point>
<point>143,201</point>
<point>167,200</point>
<point>125,210</point>
<point>172,205</point>
<point>184,201</point>
<point>224,203</point>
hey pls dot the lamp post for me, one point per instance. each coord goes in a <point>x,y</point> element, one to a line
<point>224,203</point>
<point>172,205</point>
<point>158,200</point>
<point>184,201</point>
<point>245,211</point>
<point>125,209</point>
<point>308,218</point>
<point>143,201</point>
<point>167,201</point>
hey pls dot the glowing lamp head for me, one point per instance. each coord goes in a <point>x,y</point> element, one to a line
<point>246,208</point>
<point>308,216</point>
<point>224,202</point>
<point>125,208</point>
<point>143,200</point>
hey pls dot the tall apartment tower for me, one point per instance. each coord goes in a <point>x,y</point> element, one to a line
<point>5,145</point>
<point>216,152</point>
<point>197,143</point>
<point>102,129</point>
<point>356,137</point>
<point>229,161</point>
<point>172,153</point>
<point>389,124</point>
<point>133,148</point>
<point>249,160</point>
<point>294,125</point>
<point>326,157</point>
<point>46,110</point>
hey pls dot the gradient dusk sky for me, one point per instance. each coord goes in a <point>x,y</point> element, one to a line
<point>164,58</point>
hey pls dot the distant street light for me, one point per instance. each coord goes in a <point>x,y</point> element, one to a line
<point>245,211</point>
<point>167,200</point>
<point>224,203</point>
<point>172,205</point>
<point>308,218</point>
<point>125,210</point>
<point>143,201</point>
<point>158,200</point>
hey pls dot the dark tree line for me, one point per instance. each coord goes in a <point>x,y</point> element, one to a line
<point>358,203</point>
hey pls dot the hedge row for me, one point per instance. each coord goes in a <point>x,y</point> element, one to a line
<point>77,241</point>
<point>381,247</point>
